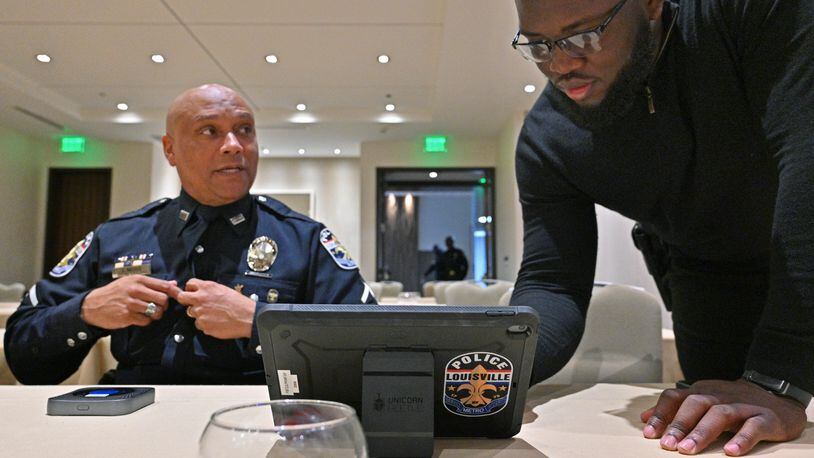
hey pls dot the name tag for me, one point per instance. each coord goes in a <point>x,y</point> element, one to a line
<point>132,265</point>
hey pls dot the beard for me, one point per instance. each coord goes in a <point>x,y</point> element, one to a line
<point>623,91</point>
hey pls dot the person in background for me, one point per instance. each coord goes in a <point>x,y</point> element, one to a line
<point>178,284</point>
<point>695,119</point>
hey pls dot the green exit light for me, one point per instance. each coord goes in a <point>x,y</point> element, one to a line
<point>483,181</point>
<point>435,144</point>
<point>73,144</point>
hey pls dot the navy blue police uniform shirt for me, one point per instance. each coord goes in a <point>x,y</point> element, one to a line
<point>179,239</point>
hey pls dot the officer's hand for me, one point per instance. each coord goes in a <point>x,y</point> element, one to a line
<point>124,301</point>
<point>688,420</point>
<point>219,311</point>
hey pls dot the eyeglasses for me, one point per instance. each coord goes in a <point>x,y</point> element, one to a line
<point>577,45</point>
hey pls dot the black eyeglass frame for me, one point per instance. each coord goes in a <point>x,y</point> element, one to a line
<point>562,42</point>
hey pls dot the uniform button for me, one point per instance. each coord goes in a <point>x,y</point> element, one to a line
<point>254,297</point>
<point>82,335</point>
<point>262,198</point>
<point>259,350</point>
<point>70,342</point>
<point>178,338</point>
<point>199,249</point>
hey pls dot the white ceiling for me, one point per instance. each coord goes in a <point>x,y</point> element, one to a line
<point>452,70</point>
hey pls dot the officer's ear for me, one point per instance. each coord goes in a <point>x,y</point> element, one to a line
<point>169,153</point>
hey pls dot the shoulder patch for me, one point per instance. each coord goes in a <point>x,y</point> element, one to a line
<point>66,265</point>
<point>144,210</point>
<point>337,251</point>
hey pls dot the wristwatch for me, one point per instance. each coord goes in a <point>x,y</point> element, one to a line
<point>778,387</point>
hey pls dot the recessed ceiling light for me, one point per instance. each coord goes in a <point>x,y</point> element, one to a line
<point>122,106</point>
<point>529,88</point>
<point>44,58</point>
<point>337,151</point>
<point>433,174</point>
<point>301,107</point>
<point>390,107</point>
<point>272,59</point>
<point>301,151</point>
<point>157,58</point>
<point>384,58</point>
<point>266,151</point>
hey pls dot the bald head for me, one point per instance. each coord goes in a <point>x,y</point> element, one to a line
<point>211,142</point>
<point>191,100</point>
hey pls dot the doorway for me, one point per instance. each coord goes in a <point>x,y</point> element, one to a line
<point>418,209</point>
<point>78,201</point>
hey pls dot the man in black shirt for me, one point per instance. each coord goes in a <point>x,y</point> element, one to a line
<point>696,121</point>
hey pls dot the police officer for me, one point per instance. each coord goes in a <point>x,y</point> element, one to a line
<point>453,264</point>
<point>178,284</point>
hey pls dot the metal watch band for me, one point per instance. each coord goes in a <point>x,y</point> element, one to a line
<point>778,387</point>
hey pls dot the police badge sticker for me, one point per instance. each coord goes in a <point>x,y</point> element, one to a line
<point>477,384</point>
<point>262,253</point>
<point>66,265</point>
<point>337,251</point>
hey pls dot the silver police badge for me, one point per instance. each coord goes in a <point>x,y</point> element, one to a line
<point>262,253</point>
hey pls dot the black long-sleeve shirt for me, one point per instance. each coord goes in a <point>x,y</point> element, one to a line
<point>722,171</point>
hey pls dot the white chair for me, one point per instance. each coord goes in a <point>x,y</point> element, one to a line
<point>11,293</point>
<point>622,340</point>
<point>474,293</point>
<point>439,290</point>
<point>428,289</point>
<point>376,288</point>
<point>506,297</point>
<point>385,288</point>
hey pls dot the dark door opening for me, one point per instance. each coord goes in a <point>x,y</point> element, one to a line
<point>78,200</point>
<point>417,209</point>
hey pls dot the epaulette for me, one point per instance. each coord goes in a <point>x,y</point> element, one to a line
<point>280,208</point>
<point>152,206</point>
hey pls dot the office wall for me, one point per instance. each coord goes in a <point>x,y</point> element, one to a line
<point>334,183</point>
<point>508,214</point>
<point>130,176</point>
<point>469,152</point>
<point>19,186</point>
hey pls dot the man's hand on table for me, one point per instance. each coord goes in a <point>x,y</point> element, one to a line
<point>124,301</point>
<point>688,420</point>
<point>218,311</point>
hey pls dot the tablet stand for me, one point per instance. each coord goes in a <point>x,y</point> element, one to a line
<point>398,402</point>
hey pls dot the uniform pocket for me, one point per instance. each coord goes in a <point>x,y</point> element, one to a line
<point>263,290</point>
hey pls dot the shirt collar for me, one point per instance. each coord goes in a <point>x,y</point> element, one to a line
<point>236,214</point>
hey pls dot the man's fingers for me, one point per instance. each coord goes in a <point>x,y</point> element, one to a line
<point>718,419</point>
<point>141,319</point>
<point>188,299</point>
<point>138,307</point>
<point>644,416</point>
<point>193,284</point>
<point>664,411</point>
<point>694,407</point>
<point>753,431</point>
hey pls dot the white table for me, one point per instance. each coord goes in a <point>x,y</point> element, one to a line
<point>578,421</point>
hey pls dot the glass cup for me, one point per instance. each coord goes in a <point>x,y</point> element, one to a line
<point>284,428</point>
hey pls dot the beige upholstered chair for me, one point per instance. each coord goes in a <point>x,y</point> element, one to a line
<point>11,293</point>
<point>428,289</point>
<point>385,288</point>
<point>622,340</point>
<point>439,290</point>
<point>506,297</point>
<point>474,293</point>
<point>376,288</point>
<point>391,288</point>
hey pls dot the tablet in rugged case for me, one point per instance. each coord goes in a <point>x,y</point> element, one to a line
<point>101,401</point>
